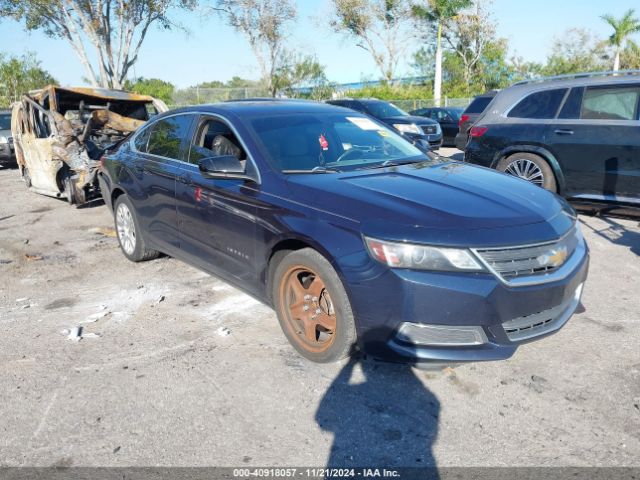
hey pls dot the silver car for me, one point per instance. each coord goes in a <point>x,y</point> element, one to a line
<point>7,153</point>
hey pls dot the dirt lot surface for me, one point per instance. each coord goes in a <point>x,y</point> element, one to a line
<point>189,371</point>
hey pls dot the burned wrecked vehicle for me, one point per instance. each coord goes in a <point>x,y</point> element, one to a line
<point>60,135</point>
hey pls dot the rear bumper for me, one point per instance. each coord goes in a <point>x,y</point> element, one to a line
<point>505,316</point>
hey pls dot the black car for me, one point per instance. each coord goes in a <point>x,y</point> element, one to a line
<point>469,117</point>
<point>7,153</point>
<point>356,237</point>
<point>424,133</point>
<point>574,135</point>
<point>448,119</point>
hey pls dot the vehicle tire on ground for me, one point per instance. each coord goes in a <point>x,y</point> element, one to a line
<point>69,190</point>
<point>312,306</point>
<point>129,233</point>
<point>531,167</point>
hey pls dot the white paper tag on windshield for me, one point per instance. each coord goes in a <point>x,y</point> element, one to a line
<point>364,123</point>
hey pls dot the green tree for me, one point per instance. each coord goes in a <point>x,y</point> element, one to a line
<point>115,29</point>
<point>152,86</point>
<point>19,75</point>
<point>576,50</point>
<point>438,13</point>
<point>623,27</point>
<point>630,56</point>
<point>297,71</point>
<point>381,27</point>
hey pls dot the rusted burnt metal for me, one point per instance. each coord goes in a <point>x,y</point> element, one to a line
<point>60,135</point>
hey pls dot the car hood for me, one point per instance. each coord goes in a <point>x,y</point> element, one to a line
<point>408,119</point>
<point>438,202</point>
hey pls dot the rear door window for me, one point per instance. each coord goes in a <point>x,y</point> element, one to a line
<point>539,105</point>
<point>168,135</point>
<point>571,107</point>
<point>478,105</point>
<point>610,103</point>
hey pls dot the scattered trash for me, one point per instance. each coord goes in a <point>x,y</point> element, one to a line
<point>23,299</point>
<point>160,299</point>
<point>23,307</point>
<point>95,317</point>
<point>26,241</point>
<point>107,232</point>
<point>117,449</point>
<point>223,331</point>
<point>76,334</point>
<point>32,258</point>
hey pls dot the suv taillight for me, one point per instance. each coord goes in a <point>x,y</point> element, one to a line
<point>463,119</point>
<point>476,132</point>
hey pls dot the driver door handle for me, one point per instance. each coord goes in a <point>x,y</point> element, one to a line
<point>562,131</point>
<point>185,179</point>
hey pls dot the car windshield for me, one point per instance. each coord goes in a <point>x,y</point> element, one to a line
<point>5,121</point>
<point>322,142</point>
<point>383,109</point>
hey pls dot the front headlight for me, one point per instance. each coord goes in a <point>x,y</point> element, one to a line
<point>422,257</point>
<point>407,128</point>
<point>4,139</point>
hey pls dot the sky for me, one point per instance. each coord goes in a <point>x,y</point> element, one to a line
<point>212,51</point>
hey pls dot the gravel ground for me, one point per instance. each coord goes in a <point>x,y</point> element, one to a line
<point>163,385</point>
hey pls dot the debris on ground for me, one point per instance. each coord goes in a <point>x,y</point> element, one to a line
<point>32,258</point>
<point>223,331</point>
<point>76,334</point>
<point>107,232</point>
<point>95,317</point>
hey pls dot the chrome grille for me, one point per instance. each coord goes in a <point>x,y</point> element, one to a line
<point>532,260</point>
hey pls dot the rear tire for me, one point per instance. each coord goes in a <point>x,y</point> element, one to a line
<point>312,306</point>
<point>530,167</point>
<point>129,233</point>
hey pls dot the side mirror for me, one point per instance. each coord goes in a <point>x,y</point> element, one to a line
<point>224,166</point>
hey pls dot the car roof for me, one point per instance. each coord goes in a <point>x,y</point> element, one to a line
<point>258,106</point>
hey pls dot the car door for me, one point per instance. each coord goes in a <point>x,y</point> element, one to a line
<point>447,123</point>
<point>217,216</point>
<point>596,140</point>
<point>158,152</point>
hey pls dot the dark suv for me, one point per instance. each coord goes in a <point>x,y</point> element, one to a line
<point>424,133</point>
<point>577,135</point>
<point>7,154</point>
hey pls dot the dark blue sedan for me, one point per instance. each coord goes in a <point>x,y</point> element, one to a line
<point>356,238</point>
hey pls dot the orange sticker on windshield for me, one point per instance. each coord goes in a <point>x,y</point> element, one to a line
<point>323,143</point>
<point>383,133</point>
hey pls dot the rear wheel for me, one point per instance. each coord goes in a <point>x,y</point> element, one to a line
<point>128,232</point>
<point>530,167</point>
<point>313,307</point>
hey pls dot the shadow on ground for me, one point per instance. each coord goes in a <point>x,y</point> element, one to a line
<point>616,233</point>
<point>381,415</point>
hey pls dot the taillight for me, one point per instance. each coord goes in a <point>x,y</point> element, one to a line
<point>476,132</point>
<point>463,119</point>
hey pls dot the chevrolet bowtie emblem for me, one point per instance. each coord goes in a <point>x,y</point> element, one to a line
<point>555,258</point>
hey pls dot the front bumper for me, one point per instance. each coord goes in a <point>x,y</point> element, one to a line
<point>425,142</point>
<point>506,316</point>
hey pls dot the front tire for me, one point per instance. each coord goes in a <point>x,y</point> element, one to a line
<point>530,167</point>
<point>312,306</point>
<point>129,233</point>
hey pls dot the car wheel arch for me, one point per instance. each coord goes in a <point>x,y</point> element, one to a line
<point>545,154</point>
<point>115,193</point>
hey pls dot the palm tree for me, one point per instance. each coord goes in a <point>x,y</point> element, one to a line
<point>438,12</point>
<point>622,29</point>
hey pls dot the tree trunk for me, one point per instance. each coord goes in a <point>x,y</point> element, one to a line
<point>437,81</point>
<point>616,61</point>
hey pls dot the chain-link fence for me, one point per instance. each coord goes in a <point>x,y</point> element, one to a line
<point>198,96</point>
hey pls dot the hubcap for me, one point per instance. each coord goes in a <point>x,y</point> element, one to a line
<point>308,308</point>
<point>526,169</point>
<point>126,229</point>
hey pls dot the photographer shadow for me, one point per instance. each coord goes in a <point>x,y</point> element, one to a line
<point>381,415</point>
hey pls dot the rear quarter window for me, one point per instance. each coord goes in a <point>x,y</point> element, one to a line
<point>610,103</point>
<point>478,105</point>
<point>539,105</point>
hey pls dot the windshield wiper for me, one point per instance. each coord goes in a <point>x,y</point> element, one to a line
<point>318,169</point>
<point>392,163</point>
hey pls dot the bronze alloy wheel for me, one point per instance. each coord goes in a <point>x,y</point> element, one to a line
<point>308,309</point>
